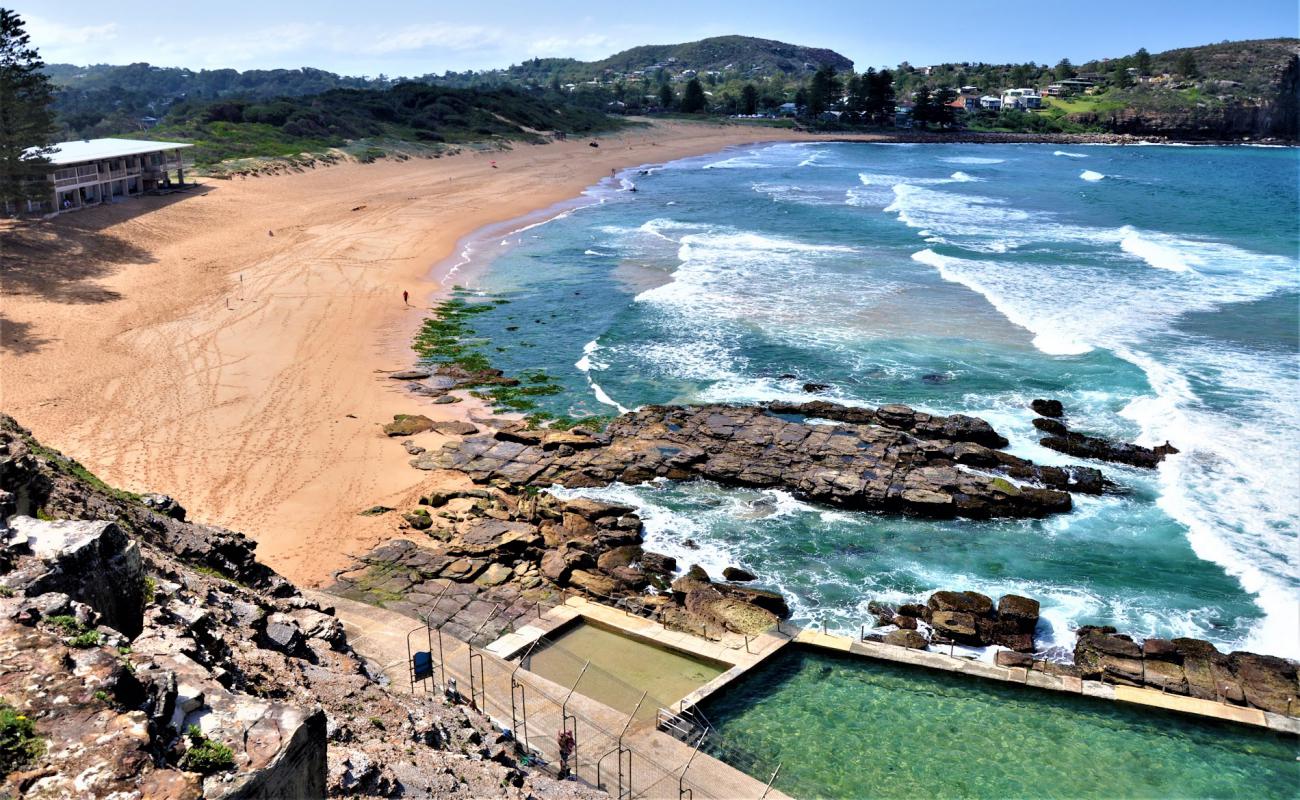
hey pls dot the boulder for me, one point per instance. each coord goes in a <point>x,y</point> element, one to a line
<point>966,602</point>
<point>408,425</point>
<point>91,561</point>
<point>494,575</point>
<point>958,626</point>
<point>1011,658</point>
<point>410,374</point>
<point>658,563</point>
<point>737,574</point>
<point>1048,408</point>
<point>593,582</point>
<point>283,634</point>
<point>1022,610</point>
<point>1160,650</point>
<point>906,638</point>
<point>1268,682</point>
<point>454,427</point>
<point>1052,426</point>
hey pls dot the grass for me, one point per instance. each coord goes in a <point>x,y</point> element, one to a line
<point>204,755</point>
<point>78,635</point>
<point>19,744</point>
<point>74,469</point>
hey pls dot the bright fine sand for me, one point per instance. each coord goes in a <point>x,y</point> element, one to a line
<point>226,346</point>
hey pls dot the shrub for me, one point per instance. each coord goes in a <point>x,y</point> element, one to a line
<point>204,755</point>
<point>19,744</point>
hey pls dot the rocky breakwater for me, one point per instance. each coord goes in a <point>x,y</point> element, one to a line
<point>145,656</point>
<point>476,560</point>
<point>967,618</point>
<point>1192,667</point>
<point>1184,666</point>
<point>891,459</point>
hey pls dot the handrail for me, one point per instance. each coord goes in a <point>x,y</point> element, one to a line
<point>682,791</point>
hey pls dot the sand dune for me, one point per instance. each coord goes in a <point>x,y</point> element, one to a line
<point>225,346</point>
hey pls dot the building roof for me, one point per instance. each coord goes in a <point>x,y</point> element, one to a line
<point>94,149</point>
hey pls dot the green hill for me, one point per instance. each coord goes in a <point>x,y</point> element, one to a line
<point>742,54</point>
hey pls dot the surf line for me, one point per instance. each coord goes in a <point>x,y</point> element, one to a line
<point>585,365</point>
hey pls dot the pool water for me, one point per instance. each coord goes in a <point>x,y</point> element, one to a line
<point>846,727</point>
<point>621,669</point>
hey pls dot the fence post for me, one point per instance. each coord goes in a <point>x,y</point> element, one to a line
<point>775,772</point>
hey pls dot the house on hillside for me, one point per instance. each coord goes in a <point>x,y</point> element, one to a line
<point>1022,98</point>
<point>965,103</point>
<point>787,110</point>
<point>991,102</point>
<point>95,171</point>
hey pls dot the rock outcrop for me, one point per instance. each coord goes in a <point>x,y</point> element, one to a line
<point>1062,439</point>
<point>1189,667</point>
<point>967,618</point>
<point>203,674</point>
<point>891,459</point>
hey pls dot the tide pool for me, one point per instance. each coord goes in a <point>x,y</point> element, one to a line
<point>1158,303</point>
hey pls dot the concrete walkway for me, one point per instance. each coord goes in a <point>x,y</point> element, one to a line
<point>657,760</point>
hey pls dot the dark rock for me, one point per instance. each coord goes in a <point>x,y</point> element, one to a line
<point>905,622</point>
<point>1160,650</point>
<point>914,610</point>
<point>418,519</point>
<point>906,638</point>
<point>958,626</point>
<point>164,504</point>
<point>1268,682</point>
<point>453,427</point>
<point>884,464</point>
<point>1021,611</point>
<point>1052,426</point>
<point>967,602</point>
<point>282,633</point>
<point>658,564</point>
<point>738,575</point>
<point>1083,446</point>
<point>883,612</point>
<point>813,388</point>
<point>936,378</point>
<point>1048,408</point>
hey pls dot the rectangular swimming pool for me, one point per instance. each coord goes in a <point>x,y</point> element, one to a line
<point>622,667</point>
<point>848,727</point>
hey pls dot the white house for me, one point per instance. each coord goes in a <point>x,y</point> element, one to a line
<point>990,102</point>
<point>1021,98</point>
<point>94,171</point>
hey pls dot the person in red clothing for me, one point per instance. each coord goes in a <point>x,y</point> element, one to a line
<point>405,298</point>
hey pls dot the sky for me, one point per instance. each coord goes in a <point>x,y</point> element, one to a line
<point>399,38</point>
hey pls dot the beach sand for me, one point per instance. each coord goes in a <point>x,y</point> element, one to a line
<point>226,346</point>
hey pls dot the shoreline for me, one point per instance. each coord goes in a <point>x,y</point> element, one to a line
<point>227,346</point>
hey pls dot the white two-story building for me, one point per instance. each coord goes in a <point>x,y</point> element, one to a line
<point>93,171</point>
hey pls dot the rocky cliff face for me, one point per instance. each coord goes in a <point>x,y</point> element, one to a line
<point>154,657</point>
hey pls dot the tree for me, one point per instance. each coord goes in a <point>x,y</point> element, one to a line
<point>823,91</point>
<point>1142,60</point>
<point>801,100</point>
<point>26,121</point>
<point>880,94</point>
<point>1185,65</point>
<point>748,99</point>
<point>1020,76</point>
<point>942,113</point>
<point>666,97</point>
<point>693,98</point>
<point>1064,70</point>
<point>923,106</point>
<point>1119,77</point>
<point>857,92</point>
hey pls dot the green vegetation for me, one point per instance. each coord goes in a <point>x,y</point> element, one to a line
<point>150,589</point>
<point>68,466</point>
<point>204,755</point>
<point>447,339</point>
<point>25,117</point>
<point>77,634</point>
<point>19,744</point>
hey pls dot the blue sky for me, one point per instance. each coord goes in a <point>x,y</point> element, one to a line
<point>411,38</point>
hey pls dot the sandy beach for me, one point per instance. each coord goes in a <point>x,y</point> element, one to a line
<point>226,346</point>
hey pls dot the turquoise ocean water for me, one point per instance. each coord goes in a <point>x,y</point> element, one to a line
<point>1154,290</point>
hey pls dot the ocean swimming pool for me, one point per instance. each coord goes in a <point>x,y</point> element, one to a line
<point>846,727</point>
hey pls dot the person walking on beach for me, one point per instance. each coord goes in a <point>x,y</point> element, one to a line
<point>405,298</point>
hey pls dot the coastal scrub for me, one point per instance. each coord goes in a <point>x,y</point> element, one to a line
<point>19,744</point>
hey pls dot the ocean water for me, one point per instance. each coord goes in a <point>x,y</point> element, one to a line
<point>1154,290</point>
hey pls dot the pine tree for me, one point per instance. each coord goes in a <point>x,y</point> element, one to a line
<point>1186,65</point>
<point>823,91</point>
<point>1142,60</point>
<point>693,98</point>
<point>942,113</point>
<point>666,97</point>
<point>923,106</point>
<point>748,99</point>
<point>26,121</point>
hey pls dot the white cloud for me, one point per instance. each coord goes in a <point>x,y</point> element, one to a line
<point>590,46</point>
<point>58,42</point>
<point>433,37</point>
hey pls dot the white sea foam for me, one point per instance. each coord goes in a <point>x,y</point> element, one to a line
<point>973,160</point>
<point>1089,175</point>
<point>1159,251</point>
<point>1069,155</point>
<point>962,177</point>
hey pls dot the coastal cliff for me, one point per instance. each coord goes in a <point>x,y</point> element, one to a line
<point>145,655</point>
